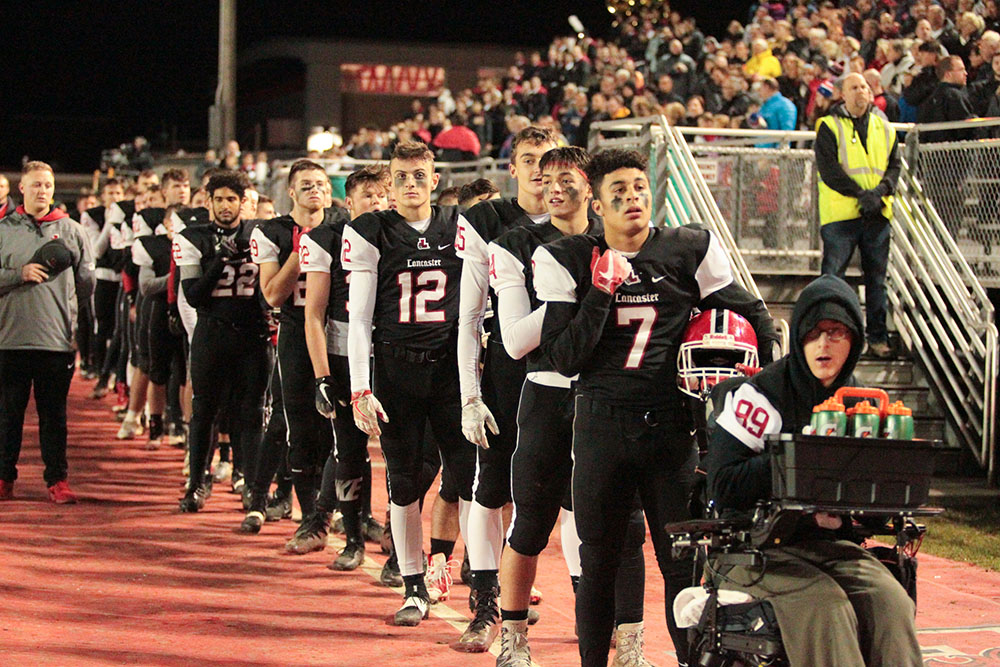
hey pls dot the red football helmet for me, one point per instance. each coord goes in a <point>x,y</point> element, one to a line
<point>714,342</point>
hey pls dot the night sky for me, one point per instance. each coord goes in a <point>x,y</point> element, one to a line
<point>81,76</point>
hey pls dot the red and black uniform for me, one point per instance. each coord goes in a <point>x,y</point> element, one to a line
<point>631,430</point>
<point>415,318</point>
<point>310,437</point>
<point>229,348</point>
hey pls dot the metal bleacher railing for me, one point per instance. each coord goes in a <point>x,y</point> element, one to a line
<point>761,200</point>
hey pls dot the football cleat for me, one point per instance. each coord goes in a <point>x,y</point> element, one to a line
<point>536,596</point>
<point>438,578</point>
<point>194,500</point>
<point>349,559</point>
<point>311,535</point>
<point>129,429</point>
<point>279,507</point>
<point>390,575</point>
<point>484,626</point>
<point>629,642</point>
<point>372,529</point>
<point>413,611</point>
<point>514,650</point>
<point>223,470</point>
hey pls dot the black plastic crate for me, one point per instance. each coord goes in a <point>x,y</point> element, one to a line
<point>876,472</point>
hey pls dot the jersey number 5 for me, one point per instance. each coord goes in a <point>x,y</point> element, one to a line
<point>413,307</point>
<point>646,316</point>
<point>233,284</point>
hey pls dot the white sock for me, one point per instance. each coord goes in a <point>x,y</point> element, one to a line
<point>407,537</point>
<point>485,537</point>
<point>463,519</point>
<point>570,542</point>
<point>129,372</point>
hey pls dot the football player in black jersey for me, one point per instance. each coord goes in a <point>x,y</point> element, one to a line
<point>108,278</point>
<point>616,305</point>
<point>326,337</point>
<point>274,247</point>
<point>229,355</point>
<point>493,406</point>
<point>405,278</point>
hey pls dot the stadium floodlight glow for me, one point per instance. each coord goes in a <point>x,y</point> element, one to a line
<point>320,140</point>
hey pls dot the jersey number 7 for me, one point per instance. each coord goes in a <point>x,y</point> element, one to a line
<point>646,316</point>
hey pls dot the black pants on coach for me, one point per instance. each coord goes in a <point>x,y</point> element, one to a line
<point>617,451</point>
<point>50,374</point>
<point>225,362</point>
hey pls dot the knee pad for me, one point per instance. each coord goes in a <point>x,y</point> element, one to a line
<point>492,485</point>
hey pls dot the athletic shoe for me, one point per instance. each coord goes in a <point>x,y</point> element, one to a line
<point>390,575</point>
<point>194,499</point>
<point>413,611</point>
<point>629,646</point>
<point>121,405</point>
<point>252,523</point>
<point>536,596</point>
<point>238,482</point>
<point>351,558</point>
<point>514,650</point>
<point>279,507</point>
<point>484,626</point>
<point>60,494</point>
<point>337,523</point>
<point>6,490</point>
<point>466,571</point>
<point>100,391</point>
<point>438,578</point>
<point>311,534</point>
<point>129,429</point>
<point>246,496</point>
<point>372,529</point>
<point>533,616</point>
<point>222,471</point>
<point>176,434</point>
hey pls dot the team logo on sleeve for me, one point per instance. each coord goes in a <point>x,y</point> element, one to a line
<point>422,244</point>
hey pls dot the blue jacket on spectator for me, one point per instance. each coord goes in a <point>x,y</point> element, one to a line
<point>779,113</point>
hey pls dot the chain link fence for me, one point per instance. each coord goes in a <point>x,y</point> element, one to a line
<point>768,197</point>
<point>962,181</point>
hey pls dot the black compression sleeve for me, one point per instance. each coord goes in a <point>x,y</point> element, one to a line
<point>199,290</point>
<point>570,331</point>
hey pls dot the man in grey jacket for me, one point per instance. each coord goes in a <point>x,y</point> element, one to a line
<point>38,297</point>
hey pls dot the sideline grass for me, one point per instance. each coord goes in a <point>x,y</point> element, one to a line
<point>968,531</point>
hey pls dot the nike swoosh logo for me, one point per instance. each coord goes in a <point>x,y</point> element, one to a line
<point>657,279</point>
<point>442,247</point>
<point>609,274</point>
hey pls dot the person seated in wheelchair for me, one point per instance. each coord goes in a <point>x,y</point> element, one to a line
<point>835,603</point>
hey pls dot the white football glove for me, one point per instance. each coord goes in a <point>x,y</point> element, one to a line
<point>367,412</point>
<point>476,417</point>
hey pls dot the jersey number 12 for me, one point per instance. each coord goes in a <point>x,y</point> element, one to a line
<point>413,304</point>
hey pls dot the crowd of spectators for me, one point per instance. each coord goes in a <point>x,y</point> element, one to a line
<point>778,70</point>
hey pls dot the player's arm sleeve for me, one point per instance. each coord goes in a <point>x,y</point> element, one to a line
<point>361,294</point>
<point>570,329</point>
<point>520,327</point>
<point>739,470</point>
<point>149,283</point>
<point>471,309</point>
<point>196,282</point>
<point>719,290</point>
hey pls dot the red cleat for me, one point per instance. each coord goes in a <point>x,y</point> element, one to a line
<point>121,389</point>
<point>61,494</point>
<point>6,490</point>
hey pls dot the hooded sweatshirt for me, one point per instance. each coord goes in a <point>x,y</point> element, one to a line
<point>41,316</point>
<point>779,399</point>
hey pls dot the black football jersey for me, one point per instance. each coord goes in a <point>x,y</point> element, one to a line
<point>235,298</point>
<point>157,249</point>
<point>634,359</point>
<point>271,241</point>
<point>510,263</point>
<point>418,275</point>
<point>319,250</point>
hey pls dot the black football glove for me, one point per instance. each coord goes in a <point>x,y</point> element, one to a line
<point>325,399</point>
<point>174,323</point>
<point>231,252</point>
<point>870,202</point>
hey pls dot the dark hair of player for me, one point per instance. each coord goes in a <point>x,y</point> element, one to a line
<point>178,175</point>
<point>302,165</point>
<point>36,165</point>
<point>376,175</point>
<point>264,199</point>
<point>453,191</point>
<point>572,156</point>
<point>148,173</point>
<point>412,150</point>
<point>212,171</point>
<point>228,179</point>
<point>611,160</point>
<point>110,183</point>
<point>155,187</point>
<point>533,135</point>
<point>477,188</point>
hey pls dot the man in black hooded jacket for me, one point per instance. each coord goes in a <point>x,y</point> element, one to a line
<point>835,603</point>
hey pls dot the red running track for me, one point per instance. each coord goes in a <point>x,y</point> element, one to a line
<point>122,578</point>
